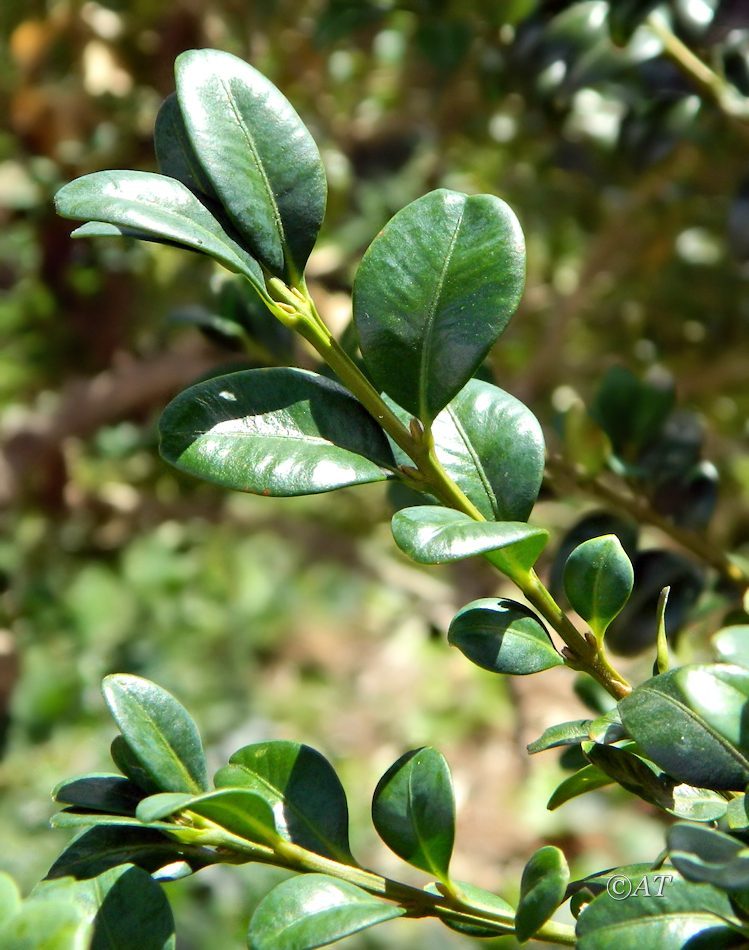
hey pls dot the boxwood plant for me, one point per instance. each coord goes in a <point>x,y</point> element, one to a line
<point>241,181</point>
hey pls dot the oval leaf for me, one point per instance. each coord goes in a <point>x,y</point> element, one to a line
<point>174,151</point>
<point>257,153</point>
<point>430,534</point>
<point>598,579</point>
<point>702,854</point>
<point>492,446</point>
<point>159,731</point>
<point>542,889</point>
<point>504,637</point>
<point>301,787</point>
<point>432,294</point>
<point>239,810</point>
<point>124,906</point>
<point>274,432</point>
<point>112,794</point>
<point>157,208</point>
<point>565,733</point>
<point>312,910</point>
<point>478,900</point>
<point>689,720</point>
<point>587,779</point>
<point>413,810</point>
<point>662,914</point>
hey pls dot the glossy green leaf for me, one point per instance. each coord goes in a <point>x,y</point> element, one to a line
<point>123,906</point>
<point>639,777</point>
<point>104,847</point>
<point>732,644</point>
<point>56,925</point>
<point>258,155</point>
<point>598,579</point>
<point>432,294</point>
<point>433,535</point>
<point>159,731</point>
<point>125,760</point>
<point>174,151</point>
<point>564,733</point>
<point>303,790</point>
<point>478,899</point>
<point>10,898</point>
<point>239,810</point>
<point>492,446</point>
<point>607,727</point>
<point>313,910</point>
<point>671,916</point>
<point>413,810</point>
<point>587,779</point>
<point>542,888</point>
<point>689,722</point>
<point>100,792</point>
<point>709,856</point>
<point>503,636</point>
<point>274,432</point>
<point>161,208</point>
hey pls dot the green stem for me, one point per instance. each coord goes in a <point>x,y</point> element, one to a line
<point>417,902</point>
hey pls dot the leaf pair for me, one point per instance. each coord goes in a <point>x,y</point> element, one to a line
<point>242,177</point>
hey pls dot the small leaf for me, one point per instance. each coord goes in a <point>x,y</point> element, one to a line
<point>156,207</point>
<point>126,762</point>
<point>542,888</point>
<point>101,848</point>
<point>565,733</point>
<point>433,535</point>
<point>492,446</point>
<point>632,411</point>
<point>124,906</point>
<point>689,722</point>
<point>174,151</point>
<point>667,915</point>
<point>432,294</point>
<point>100,792</point>
<point>477,899</point>
<point>606,728</point>
<point>705,855</point>
<point>504,637</point>
<point>587,779</point>
<point>586,445</point>
<point>159,731</point>
<point>274,432</point>
<point>258,155</point>
<point>313,910</point>
<point>239,810</point>
<point>598,579</point>
<point>413,810</point>
<point>303,790</point>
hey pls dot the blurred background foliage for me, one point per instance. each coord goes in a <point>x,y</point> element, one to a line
<point>296,618</point>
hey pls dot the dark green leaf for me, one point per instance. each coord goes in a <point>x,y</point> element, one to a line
<point>587,779</point>
<point>478,899</point>
<point>124,906</point>
<point>632,411</point>
<point>413,810</point>
<point>126,762</point>
<point>302,789</point>
<point>690,722</point>
<point>274,432</point>
<point>433,535</point>
<point>257,154</point>
<point>598,579</point>
<point>100,792</point>
<point>144,204</point>
<point>542,888</point>
<point>239,810</point>
<point>174,151</point>
<point>703,854</point>
<point>504,637</point>
<point>492,446</point>
<point>159,731</point>
<point>565,733</point>
<point>312,910</point>
<point>101,848</point>
<point>56,925</point>
<point>433,292</point>
<point>639,777</point>
<point>596,883</point>
<point>669,916</point>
